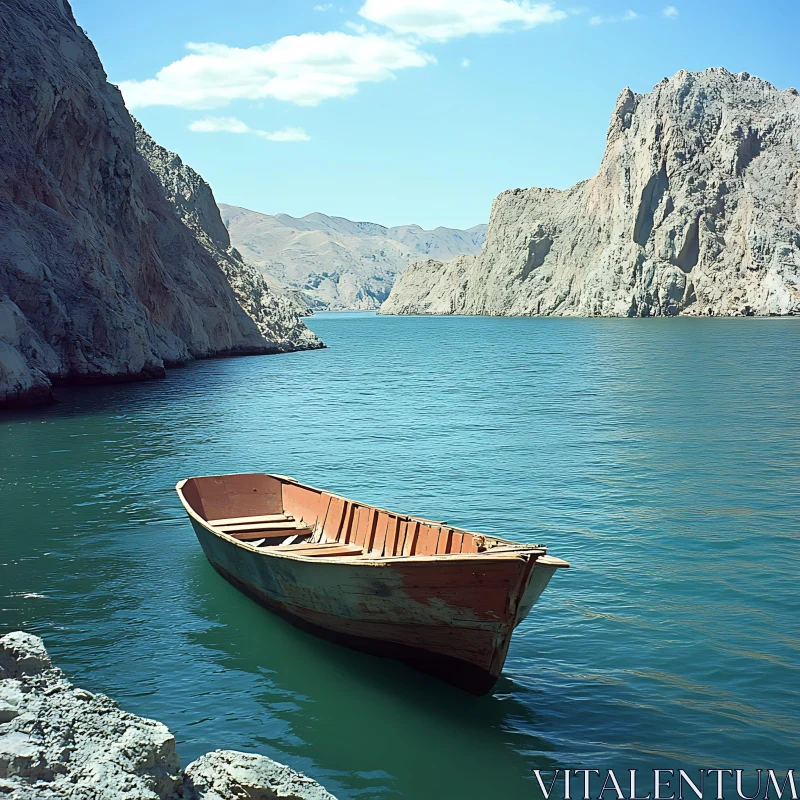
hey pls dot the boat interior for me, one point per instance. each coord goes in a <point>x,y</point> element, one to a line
<point>271,511</point>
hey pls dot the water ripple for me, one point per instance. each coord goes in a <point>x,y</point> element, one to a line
<point>660,457</point>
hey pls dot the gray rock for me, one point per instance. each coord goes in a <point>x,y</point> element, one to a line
<point>10,699</point>
<point>226,774</point>
<point>277,316</point>
<point>59,742</point>
<point>334,263</point>
<point>99,278</point>
<point>22,655</point>
<point>695,210</point>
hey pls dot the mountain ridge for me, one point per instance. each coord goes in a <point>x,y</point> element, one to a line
<point>334,262</point>
<point>277,318</point>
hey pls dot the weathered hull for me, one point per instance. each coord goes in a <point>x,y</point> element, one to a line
<point>447,619</point>
<point>441,598</point>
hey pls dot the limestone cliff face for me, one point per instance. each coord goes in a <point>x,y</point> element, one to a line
<point>695,210</point>
<point>99,279</point>
<point>277,317</point>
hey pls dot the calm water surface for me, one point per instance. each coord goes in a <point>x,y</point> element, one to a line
<point>660,457</point>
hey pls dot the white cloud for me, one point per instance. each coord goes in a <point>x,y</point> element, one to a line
<point>286,135</point>
<point>323,6</point>
<point>670,12</point>
<point>233,125</point>
<point>441,20</point>
<point>628,16</point>
<point>304,69</point>
<point>465,62</point>
<point>217,124</point>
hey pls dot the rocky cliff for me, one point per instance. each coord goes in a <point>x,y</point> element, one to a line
<point>59,742</point>
<point>695,210</point>
<point>99,279</point>
<point>337,264</point>
<point>276,316</point>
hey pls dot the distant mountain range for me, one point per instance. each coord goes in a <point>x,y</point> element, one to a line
<point>335,264</point>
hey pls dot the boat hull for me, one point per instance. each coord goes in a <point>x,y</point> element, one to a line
<point>449,619</point>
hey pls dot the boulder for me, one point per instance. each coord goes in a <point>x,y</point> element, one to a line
<point>227,774</point>
<point>22,655</point>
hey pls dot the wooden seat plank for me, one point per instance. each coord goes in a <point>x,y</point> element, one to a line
<point>290,548</point>
<point>245,520</point>
<point>253,526</point>
<point>337,550</point>
<point>320,549</point>
<point>244,536</point>
<point>307,545</point>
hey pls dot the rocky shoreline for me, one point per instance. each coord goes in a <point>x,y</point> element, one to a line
<point>60,742</point>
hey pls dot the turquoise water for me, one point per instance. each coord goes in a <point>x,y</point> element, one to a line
<point>660,457</point>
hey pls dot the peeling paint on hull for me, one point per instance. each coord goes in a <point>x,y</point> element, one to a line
<point>450,670</point>
<point>450,615</point>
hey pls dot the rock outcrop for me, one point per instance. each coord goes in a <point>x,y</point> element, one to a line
<point>336,264</point>
<point>277,317</point>
<point>695,210</point>
<point>99,279</point>
<point>59,742</point>
<point>225,774</point>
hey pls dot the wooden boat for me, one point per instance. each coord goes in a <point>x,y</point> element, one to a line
<point>440,598</point>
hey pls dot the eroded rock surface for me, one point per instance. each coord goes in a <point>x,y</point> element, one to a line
<point>277,317</point>
<point>99,278</point>
<point>59,742</point>
<point>224,774</point>
<point>695,210</point>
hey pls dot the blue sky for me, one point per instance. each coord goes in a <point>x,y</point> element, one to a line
<point>402,111</point>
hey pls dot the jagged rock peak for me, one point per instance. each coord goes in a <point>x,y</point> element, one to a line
<point>695,210</point>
